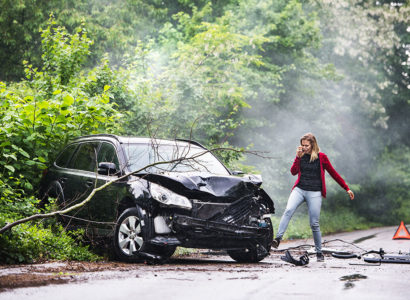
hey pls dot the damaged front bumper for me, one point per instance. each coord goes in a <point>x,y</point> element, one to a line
<point>206,227</point>
<point>194,232</point>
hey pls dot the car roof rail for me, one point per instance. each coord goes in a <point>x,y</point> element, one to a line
<point>98,135</point>
<point>192,142</point>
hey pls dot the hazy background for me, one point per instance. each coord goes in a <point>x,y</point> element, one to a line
<point>252,74</point>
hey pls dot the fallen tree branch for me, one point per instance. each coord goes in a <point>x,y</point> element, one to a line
<point>8,226</point>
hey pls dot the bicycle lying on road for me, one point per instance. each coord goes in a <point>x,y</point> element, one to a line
<point>383,258</point>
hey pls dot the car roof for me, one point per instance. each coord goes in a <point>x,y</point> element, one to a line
<point>137,140</point>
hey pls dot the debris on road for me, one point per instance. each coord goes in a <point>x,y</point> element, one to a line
<point>303,260</point>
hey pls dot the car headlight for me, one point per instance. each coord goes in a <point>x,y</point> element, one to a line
<point>168,197</point>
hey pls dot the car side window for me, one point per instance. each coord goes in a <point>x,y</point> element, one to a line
<point>64,158</point>
<point>86,158</point>
<point>107,153</point>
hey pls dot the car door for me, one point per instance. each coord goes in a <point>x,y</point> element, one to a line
<point>80,179</point>
<point>104,205</point>
<point>60,174</point>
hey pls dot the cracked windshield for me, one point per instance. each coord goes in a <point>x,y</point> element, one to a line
<point>188,159</point>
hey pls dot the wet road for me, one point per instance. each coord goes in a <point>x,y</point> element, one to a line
<point>210,276</point>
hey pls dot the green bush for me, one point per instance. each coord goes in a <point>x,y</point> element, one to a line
<point>37,118</point>
<point>42,112</point>
<point>33,242</point>
<point>30,242</point>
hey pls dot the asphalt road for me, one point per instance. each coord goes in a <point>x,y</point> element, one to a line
<point>212,276</point>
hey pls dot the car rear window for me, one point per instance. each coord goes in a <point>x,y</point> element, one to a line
<point>86,157</point>
<point>64,158</point>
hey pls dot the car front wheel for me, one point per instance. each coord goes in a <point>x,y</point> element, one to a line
<point>255,253</point>
<point>130,238</point>
<point>129,235</point>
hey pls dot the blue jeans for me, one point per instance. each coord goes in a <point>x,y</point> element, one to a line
<point>314,202</point>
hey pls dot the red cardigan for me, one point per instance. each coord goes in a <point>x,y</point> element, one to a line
<point>324,165</point>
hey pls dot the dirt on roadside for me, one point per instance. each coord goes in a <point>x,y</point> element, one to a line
<point>52,273</point>
<point>60,272</point>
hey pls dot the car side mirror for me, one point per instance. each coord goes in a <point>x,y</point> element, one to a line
<point>107,168</point>
<point>237,172</point>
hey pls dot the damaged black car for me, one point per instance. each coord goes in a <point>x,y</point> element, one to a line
<point>164,194</point>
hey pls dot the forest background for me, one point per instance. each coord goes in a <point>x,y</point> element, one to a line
<point>249,74</point>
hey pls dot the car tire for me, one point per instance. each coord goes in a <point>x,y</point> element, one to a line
<point>164,251</point>
<point>54,191</point>
<point>129,235</point>
<point>250,255</point>
<point>132,230</point>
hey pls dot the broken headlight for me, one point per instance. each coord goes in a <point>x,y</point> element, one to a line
<point>168,197</point>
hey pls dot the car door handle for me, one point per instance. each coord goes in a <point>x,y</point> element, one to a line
<point>89,183</point>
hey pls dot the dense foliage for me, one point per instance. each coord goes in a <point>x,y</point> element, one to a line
<point>38,116</point>
<point>253,74</point>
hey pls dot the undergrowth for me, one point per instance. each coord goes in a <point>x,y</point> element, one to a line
<point>37,242</point>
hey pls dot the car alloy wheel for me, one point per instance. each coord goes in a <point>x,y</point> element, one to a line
<point>130,236</point>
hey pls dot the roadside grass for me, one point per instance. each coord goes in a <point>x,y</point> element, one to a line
<point>330,222</point>
<point>181,251</point>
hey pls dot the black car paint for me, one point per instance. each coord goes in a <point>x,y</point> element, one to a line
<point>203,226</point>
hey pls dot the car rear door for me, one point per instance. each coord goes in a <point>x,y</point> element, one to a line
<point>80,178</point>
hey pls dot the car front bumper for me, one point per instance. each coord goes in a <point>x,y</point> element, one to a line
<point>197,233</point>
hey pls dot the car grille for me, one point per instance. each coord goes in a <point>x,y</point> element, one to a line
<point>236,213</point>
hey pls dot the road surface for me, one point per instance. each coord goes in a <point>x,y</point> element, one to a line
<point>213,275</point>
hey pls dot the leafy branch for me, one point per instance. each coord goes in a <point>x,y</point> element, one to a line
<point>108,183</point>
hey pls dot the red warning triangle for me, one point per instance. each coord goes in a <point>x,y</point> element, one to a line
<point>402,233</point>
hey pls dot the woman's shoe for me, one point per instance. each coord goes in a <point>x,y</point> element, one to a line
<point>275,243</point>
<point>320,257</point>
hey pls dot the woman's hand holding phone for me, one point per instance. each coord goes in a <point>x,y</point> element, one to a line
<point>299,151</point>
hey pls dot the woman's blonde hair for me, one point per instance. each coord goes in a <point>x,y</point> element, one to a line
<point>315,148</point>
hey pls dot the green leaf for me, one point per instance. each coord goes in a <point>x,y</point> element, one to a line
<point>7,143</point>
<point>10,156</point>
<point>11,168</point>
<point>68,100</point>
<point>24,153</point>
<point>41,159</point>
<point>28,185</point>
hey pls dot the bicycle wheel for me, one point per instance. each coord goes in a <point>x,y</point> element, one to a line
<point>344,255</point>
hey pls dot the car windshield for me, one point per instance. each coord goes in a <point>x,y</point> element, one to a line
<point>194,158</point>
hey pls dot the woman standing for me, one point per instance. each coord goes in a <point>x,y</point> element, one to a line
<point>310,165</point>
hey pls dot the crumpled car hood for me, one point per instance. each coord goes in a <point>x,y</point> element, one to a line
<point>206,186</point>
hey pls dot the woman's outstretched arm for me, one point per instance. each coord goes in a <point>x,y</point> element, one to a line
<point>329,168</point>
